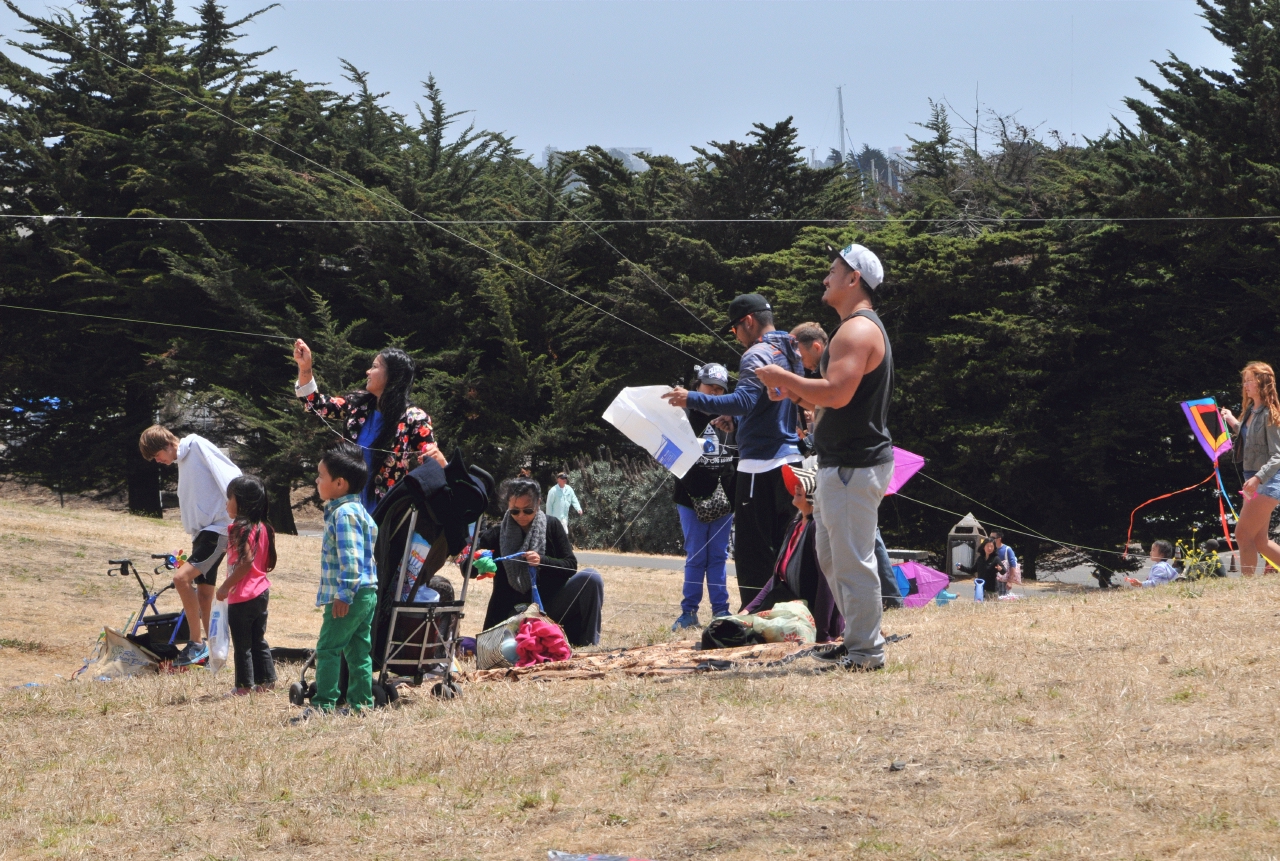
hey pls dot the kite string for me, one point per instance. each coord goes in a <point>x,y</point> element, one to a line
<point>1011,529</point>
<point>149,322</point>
<point>590,221</point>
<point>642,269</point>
<point>661,485</point>
<point>384,198</point>
<point>1034,533</point>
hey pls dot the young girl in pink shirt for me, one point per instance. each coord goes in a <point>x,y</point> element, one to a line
<point>251,553</point>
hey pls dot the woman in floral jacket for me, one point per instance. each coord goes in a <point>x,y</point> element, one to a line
<point>391,448</point>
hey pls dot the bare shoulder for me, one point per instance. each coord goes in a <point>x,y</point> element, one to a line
<point>858,335</point>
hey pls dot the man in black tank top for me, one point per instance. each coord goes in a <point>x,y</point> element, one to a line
<point>855,451</point>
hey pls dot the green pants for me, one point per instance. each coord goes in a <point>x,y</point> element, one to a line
<point>347,637</point>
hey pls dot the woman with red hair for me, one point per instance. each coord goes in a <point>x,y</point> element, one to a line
<point>1259,423</point>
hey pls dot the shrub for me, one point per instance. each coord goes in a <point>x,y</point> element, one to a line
<point>628,507</point>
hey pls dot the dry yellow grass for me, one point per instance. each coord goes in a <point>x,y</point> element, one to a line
<point>1132,725</point>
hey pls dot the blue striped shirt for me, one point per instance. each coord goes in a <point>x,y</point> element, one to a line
<point>346,554</point>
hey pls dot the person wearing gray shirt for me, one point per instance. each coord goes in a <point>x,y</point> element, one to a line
<point>1260,422</point>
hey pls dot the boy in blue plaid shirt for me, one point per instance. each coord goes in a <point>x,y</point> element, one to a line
<point>348,581</point>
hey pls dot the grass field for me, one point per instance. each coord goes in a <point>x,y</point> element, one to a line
<point>1129,725</point>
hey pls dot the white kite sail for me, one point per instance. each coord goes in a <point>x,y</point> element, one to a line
<point>656,426</point>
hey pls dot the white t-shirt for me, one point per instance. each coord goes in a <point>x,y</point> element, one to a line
<point>751,466</point>
<point>203,475</point>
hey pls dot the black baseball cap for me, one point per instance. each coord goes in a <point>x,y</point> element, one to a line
<point>741,306</point>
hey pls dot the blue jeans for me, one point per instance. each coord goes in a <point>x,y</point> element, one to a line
<point>706,549</point>
<point>889,594</point>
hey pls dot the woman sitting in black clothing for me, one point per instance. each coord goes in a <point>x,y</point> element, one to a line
<point>570,597</point>
<point>987,566</point>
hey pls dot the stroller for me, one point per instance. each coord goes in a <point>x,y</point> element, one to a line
<point>160,633</point>
<point>414,640</point>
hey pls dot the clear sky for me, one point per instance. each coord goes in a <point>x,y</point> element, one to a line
<point>669,75</point>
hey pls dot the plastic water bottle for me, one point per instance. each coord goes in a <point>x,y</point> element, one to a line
<point>977,589</point>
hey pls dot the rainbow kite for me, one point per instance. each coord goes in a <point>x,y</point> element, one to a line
<point>1207,427</point>
<point>1206,424</point>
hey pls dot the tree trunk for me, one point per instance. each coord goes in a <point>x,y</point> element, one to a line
<point>142,476</point>
<point>1028,559</point>
<point>281,512</point>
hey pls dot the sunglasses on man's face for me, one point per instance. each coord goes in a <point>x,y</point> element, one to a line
<point>525,511</point>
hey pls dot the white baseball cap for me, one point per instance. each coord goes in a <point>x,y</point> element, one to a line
<point>862,260</point>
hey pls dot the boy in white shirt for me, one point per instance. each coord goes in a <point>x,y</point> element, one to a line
<point>203,475</point>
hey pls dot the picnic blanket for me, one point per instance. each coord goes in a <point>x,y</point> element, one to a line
<point>664,659</point>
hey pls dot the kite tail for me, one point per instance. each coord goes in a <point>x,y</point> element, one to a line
<point>1129,535</point>
<point>1225,530</point>
<point>1222,487</point>
<point>1222,514</point>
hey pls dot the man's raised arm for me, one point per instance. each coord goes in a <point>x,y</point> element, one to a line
<point>858,347</point>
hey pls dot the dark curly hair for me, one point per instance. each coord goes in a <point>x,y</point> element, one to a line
<point>514,488</point>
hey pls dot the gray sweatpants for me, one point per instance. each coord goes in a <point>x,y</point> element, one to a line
<point>845,511</point>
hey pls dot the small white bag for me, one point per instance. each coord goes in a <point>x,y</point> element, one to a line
<point>219,638</point>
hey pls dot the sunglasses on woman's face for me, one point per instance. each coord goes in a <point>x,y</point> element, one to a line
<point>524,511</point>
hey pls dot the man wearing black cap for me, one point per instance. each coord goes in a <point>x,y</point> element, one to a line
<point>855,452</point>
<point>766,440</point>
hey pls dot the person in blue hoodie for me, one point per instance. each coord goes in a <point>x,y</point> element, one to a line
<point>767,441</point>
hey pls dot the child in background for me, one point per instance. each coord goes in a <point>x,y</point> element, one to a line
<point>348,582</point>
<point>706,542</point>
<point>203,475</point>
<point>1161,570</point>
<point>251,553</point>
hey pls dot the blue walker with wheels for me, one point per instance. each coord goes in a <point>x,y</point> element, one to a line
<point>158,633</point>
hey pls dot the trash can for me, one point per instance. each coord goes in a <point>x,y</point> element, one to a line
<point>963,542</point>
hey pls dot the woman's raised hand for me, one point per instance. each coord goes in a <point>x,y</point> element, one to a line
<point>532,558</point>
<point>302,355</point>
<point>1230,420</point>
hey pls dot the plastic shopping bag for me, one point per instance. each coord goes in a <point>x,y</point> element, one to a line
<point>219,637</point>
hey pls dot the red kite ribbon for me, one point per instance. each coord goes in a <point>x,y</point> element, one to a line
<point>1207,479</point>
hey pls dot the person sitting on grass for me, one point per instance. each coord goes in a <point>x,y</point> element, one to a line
<point>204,473</point>
<point>987,567</point>
<point>797,574</point>
<point>571,598</point>
<point>1162,570</point>
<point>251,554</point>
<point>348,583</point>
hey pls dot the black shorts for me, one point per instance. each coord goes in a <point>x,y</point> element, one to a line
<point>207,551</point>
